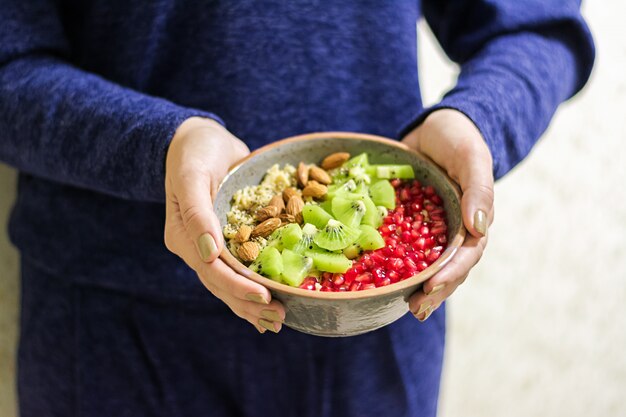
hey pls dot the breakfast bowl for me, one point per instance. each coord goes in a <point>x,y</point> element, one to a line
<point>347,313</point>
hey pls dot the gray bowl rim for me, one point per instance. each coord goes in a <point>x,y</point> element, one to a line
<point>453,245</point>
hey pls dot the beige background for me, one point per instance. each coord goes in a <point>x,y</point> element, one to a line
<point>539,328</point>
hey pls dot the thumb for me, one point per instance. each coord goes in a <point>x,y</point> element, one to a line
<point>476,182</point>
<point>199,219</point>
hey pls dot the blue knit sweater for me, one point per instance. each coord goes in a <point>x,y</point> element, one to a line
<point>92,91</point>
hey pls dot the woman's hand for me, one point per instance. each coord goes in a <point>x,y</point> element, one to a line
<point>198,157</point>
<point>450,139</point>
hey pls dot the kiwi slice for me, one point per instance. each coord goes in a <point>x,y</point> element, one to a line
<point>336,235</point>
<point>327,205</point>
<point>315,215</point>
<point>306,243</point>
<point>349,212</point>
<point>328,261</point>
<point>361,160</point>
<point>295,267</point>
<point>370,239</point>
<point>352,251</point>
<point>383,194</point>
<point>269,263</point>
<point>291,235</point>
<point>390,171</point>
<point>275,239</point>
<point>338,189</point>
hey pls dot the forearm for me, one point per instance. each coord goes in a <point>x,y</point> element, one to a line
<point>70,126</point>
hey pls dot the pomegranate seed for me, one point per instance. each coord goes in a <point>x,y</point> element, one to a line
<point>383,282</point>
<point>429,190</point>
<point>410,265</point>
<point>424,231</point>
<point>421,265</point>
<point>395,182</point>
<point>393,276</point>
<point>369,286</point>
<point>442,239</point>
<point>338,279</point>
<point>400,251</point>
<point>326,289</point>
<point>365,277</point>
<point>436,199</point>
<point>395,264</point>
<point>420,243</point>
<point>355,286</point>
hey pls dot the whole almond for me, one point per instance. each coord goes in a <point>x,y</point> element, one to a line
<point>294,205</point>
<point>243,234</point>
<point>266,228</point>
<point>248,251</point>
<point>314,189</point>
<point>303,174</point>
<point>287,218</point>
<point>267,212</point>
<point>335,160</point>
<point>277,201</point>
<point>289,192</point>
<point>318,174</point>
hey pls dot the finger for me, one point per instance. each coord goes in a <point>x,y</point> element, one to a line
<point>445,282</point>
<point>476,181</point>
<point>224,279</point>
<point>221,280</point>
<point>196,210</point>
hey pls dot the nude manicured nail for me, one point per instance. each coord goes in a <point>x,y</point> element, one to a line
<point>436,289</point>
<point>206,246</point>
<point>427,313</point>
<point>271,315</point>
<point>255,297</point>
<point>271,326</point>
<point>423,307</point>
<point>480,222</point>
<point>260,329</point>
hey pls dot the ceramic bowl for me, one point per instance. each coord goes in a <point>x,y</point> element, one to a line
<point>345,313</point>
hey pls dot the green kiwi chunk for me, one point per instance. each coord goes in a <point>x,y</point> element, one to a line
<point>383,194</point>
<point>336,235</point>
<point>269,263</point>
<point>291,235</point>
<point>348,212</point>
<point>329,261</point>
<point>295,267</point>
<point>315,215</point>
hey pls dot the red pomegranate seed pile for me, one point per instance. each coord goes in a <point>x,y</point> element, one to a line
<point>415,237</point>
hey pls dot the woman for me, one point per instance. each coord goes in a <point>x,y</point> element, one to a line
<point>123,116</point>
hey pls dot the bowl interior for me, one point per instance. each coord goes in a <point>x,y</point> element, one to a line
<point>312,148</point>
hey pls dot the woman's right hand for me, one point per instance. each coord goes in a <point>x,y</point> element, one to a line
<point>198,157</point>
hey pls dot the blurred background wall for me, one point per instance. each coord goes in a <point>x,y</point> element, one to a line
<point>539,327</point>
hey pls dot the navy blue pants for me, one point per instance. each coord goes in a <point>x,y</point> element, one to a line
<point>91,352</point>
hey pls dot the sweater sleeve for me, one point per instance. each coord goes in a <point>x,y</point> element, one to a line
<point>71,126</point>
<point>519,60</point>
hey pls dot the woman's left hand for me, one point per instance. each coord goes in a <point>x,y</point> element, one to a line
<point>450,139</point>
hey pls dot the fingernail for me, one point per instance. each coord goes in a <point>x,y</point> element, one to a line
<point>427,314</point>
<point>206,246</point>
<point>271,326</point>
<point>480,222</point>
<point>255,297</point>
<point>436,289</point>
<point>271,315</point>
<point>423,307</point>
<point>260,329</point>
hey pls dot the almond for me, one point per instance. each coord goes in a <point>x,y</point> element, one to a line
<point>287,218</point>
<point>289,192</point>
<point>294,205</point>
<point>266,228</point>
<point>335,160</point>
<point>314,189</point>
<point>318,174</point>
<point>243,234</point>
<point>303,174</point>
<point>266,213</point>
<point>248,251</point>
<point>277,201</point>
